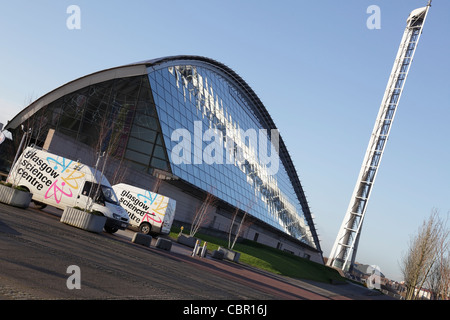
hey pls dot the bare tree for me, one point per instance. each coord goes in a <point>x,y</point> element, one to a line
<point>439,279</point>
<point>445,276</point>
<point>120,172</point>
<point>241,227</point>
<point>201,214</point>
<point>239,230</point>
<point>111,128</point>
<point>423,252</point>
<point>230,231</point>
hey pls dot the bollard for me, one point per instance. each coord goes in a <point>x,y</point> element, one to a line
<point>217,254</point>
<point>203,251</point>
<point>143,239</point>
<point>181,231</point>
<point>164,244</point>
<point>194,252</point>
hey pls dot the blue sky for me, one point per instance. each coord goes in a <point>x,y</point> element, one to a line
<point>315,65</point>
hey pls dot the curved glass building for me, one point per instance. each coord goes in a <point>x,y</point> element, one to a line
<point>191,119</point>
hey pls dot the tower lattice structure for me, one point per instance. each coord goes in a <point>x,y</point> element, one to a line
<point>344,250</point>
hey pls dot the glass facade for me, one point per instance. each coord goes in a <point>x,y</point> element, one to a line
<point>207,106</point>
<point>192,120</point>
<point>117,114</point>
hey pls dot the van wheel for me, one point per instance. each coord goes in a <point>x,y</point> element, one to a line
<point>145,228</point>
<point>24,188</point>
<point>110,229</point>
<point>39,205</point>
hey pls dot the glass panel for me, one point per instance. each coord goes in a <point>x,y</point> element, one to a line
<point>189,93</point>
<point>137,166</point>
<point>159,152</point>
<point>145,107</point>
<point>160,164</point>
<point>146,121</point>
<point>143,133</point>
<point>124,87</point>
<point>69,123</point>
<point>140,145</point>
<point>137,157</point>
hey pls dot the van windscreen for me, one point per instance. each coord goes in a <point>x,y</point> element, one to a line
<point>100,193</point>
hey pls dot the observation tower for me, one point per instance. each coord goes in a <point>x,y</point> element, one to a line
<point>344,250</point>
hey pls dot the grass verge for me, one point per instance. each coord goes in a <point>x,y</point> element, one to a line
<point>273,260</point>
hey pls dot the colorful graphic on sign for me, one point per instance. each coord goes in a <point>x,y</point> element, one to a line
<point>146,206</point>
<point>56,175</point>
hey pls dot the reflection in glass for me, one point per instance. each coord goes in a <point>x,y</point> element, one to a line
<point>188,93</point>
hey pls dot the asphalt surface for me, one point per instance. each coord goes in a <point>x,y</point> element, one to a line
<point>36,250</point>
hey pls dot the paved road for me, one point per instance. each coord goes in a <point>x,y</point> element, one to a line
<point>36,250</point>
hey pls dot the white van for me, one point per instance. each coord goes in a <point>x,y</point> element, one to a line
<point>60,182</point>
<point>149,212</point>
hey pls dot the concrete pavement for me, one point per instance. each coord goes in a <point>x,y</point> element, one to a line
<point>35,249</point>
